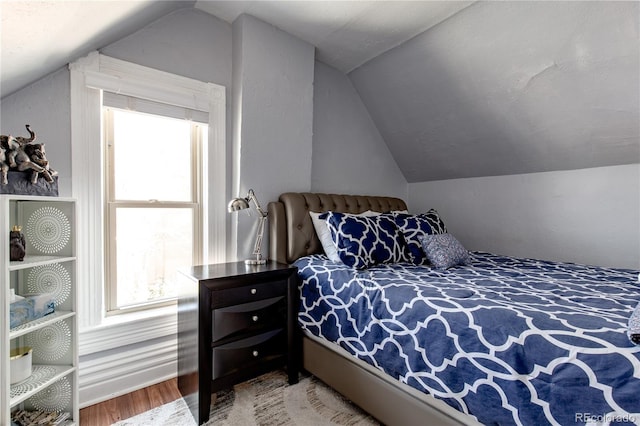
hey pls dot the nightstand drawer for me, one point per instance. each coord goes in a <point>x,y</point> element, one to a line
<point>244,353</point>
<point>248,293</point>
<point>254,316</point>
<point>243,325</point>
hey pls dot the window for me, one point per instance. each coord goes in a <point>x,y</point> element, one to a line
<point>153,217</point>
<point>94,78</point>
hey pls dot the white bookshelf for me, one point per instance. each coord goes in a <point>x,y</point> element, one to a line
<point>49,225</point>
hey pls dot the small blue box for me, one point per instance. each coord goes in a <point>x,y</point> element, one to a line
<point>30,308</point>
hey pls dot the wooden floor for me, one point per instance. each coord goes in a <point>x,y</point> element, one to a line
<point>129,405</point>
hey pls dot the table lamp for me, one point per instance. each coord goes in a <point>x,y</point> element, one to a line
<point>242,204</point>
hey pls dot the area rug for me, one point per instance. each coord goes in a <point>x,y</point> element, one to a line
<point>265,400</point>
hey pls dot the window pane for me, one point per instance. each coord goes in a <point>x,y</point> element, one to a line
<point>152,157</point>
<point>152,244</point>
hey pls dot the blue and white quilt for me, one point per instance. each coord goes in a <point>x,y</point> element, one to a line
<point>506,340</point>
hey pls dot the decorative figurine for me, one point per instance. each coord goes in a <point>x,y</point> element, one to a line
<point>23,154</point>
<point>17,244</point>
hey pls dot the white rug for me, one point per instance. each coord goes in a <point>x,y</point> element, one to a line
<point>173,413</point>
<point>265,400</point>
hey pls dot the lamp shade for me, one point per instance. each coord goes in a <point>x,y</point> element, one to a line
<point>237,204</point>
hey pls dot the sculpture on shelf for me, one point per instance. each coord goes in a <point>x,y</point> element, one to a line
<point>11,144</point>
<point>33,157</point>
<point>8,151</point>
<point>22,154</point>
<point>4,166</point>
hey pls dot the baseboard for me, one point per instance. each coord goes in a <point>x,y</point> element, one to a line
<point>108,374</point>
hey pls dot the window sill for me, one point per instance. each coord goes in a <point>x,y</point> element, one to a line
<point>128,329</point>
<point>138,315</point>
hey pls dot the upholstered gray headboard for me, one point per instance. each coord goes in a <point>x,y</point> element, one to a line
<point>291,232</point>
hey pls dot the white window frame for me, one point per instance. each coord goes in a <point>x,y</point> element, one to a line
<point>195,204</point>
<point>90,76</point>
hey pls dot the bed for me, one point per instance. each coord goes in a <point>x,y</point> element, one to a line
<point>498,340</point>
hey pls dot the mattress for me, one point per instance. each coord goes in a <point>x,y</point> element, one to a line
<point>503,339</point>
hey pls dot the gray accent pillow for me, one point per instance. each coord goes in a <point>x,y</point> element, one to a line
<point>444,250</point>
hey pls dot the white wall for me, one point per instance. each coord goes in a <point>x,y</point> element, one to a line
<point>273,108</point>
<point>589,216</point>
<point>349,155</point>
<point>188,42</point>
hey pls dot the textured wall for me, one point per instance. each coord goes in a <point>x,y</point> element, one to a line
<point>589,216</point>
<point>511,87</point>
<point>349,155</point>
<point>189,42</point>
<point>273,116</point>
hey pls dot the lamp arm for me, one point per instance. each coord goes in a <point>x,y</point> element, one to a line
<point>252,196</point>
<point>257,248</point>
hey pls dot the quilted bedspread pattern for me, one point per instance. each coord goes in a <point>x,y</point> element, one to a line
<point>506,340</point>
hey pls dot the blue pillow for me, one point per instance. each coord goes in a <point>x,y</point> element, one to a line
<point>415,226</point>
<point>363,242</point>
<point>444,251</point>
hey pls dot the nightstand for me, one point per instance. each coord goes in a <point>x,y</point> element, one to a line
<point>235,322</point>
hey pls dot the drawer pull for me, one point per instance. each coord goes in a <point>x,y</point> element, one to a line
<point>255,318</point>
<point>255,354</point>
<point>254,291</point>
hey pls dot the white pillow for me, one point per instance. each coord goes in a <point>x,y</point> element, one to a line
<point>324,235</point>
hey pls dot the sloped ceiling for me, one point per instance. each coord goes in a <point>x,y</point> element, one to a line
<point>505,88</point>
<point>456,89</point>
<point>346,34</point>
<point>40,36</point>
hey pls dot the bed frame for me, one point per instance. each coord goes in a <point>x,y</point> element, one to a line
<point>292,235</point>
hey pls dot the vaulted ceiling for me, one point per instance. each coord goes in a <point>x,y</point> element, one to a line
<point>346,33</point>
<point>456,89</point>
<point>515,87</point>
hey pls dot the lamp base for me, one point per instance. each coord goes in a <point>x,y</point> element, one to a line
<point>255,261</point>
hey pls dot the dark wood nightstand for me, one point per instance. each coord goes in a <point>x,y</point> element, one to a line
<point>235,321</point>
